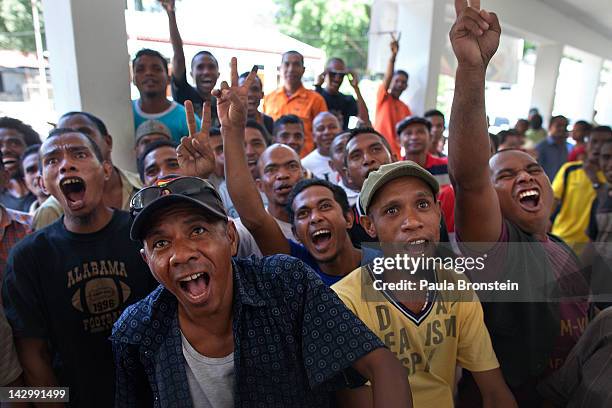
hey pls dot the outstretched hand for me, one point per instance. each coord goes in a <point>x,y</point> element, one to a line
<point>168,5</point>
<point>232,100</point>
<point>321,78</point>
<point>475,34</point>
<point>195,156</point>
<point>395,44</point>
<point>353,79</point>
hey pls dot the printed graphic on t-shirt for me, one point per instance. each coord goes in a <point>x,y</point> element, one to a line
<point>440,326</point>
<point>99,292</point>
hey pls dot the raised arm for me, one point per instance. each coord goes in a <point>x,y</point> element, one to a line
<point>195,156</point>
<point>391,64</point>
<point>475,38</point>
<point>362,108</point>
<point>178,57</point>
<point>231,108</point>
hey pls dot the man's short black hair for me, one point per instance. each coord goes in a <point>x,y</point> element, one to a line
<point>94,146</point>
<point>148,149</point>
<point>151,53</point>
<point>505,134</point>
<point>252,123</point>
<point>30,136</point>
<point>536,122</point>
<point>401,72</point>
<point>286,120</point>
<point>33,149</point>
<point>353,133</point>
<point>602,129</point>
<point>246,74</point>
<point>93,118</point>
<point>214,131</point>
<point>583,123</point>
<point>338,192</point>
<point>293,52</point>
<point>334,59</point>
<point>434,112</point>
<point>556,118</point>
<point>208,54</point>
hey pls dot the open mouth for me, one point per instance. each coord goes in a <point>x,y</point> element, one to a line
<point>252,162</point>
<point>196,286</point>
<point>283,188</point>
<point>8,161</point>
<point>529,199</point>
<point>416,246</point>
<point>206,82</point>
<point>321,239</point>
<point>74,189</point>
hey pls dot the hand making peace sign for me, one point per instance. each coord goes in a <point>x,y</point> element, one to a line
<point>194,154</point>
<point>232,100</point>
<point>475,34</point>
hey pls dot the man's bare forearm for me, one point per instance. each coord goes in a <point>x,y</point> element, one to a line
<point>389,72</point>
<point>468,141</point>
<point>240,183</point>
<point>35,360</point>
<point>362,108</point>
<point>389,379</point>
<point>178,58</point>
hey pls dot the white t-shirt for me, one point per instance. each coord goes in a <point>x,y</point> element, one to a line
<point>227,200</point>
<point>351,194</point>
<point>247,245</point>
<point>286,228</point>
<point>319,166</point>
<point>211,380</point>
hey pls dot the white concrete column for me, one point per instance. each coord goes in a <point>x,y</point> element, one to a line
<point>545,79</point>
<point>586,90</point>
<point>89,63</point>
<point>423,30</point>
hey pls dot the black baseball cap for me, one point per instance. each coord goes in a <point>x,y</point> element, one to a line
<point>411,120</point>
<point>171,190</point>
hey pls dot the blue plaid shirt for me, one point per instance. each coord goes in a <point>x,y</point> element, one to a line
<point>294,341</point>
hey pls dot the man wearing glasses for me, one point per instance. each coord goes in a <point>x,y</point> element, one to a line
<point>225,332</point>
<point>341,105</point>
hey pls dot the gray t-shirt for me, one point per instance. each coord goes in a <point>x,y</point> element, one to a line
<point>211,380</point>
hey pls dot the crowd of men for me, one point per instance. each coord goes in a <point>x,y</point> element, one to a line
<point>236,267</point>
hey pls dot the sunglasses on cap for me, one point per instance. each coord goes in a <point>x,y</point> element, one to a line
<point>180,185</point>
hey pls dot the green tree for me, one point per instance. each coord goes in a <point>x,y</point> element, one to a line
<point>339,27</point>
<point>16,27</point>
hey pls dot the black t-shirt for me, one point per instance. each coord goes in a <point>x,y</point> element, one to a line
<point>69,289</point>
<point>15,203</point>
<point>268,123</point>
<point>340,105</point>
<point>182,91</point>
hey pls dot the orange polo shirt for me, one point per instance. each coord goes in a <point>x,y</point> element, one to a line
<point>303,103</point>
<point>389,111</point>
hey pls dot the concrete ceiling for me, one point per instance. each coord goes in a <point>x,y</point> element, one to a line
<point>595,14</point>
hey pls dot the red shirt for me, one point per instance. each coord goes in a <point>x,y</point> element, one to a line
<point>438,167</point>
<point>389,111</point>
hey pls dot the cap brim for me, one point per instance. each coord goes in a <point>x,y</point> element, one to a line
<point>402,172</point>
<point>143,217</point>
